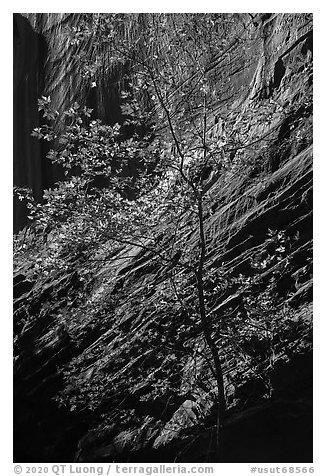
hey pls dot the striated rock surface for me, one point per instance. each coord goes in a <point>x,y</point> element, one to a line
<point>29,51</point>
<point>89,386</point>
<point>44,64</point>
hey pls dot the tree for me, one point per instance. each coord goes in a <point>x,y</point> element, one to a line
<point>185,151</point>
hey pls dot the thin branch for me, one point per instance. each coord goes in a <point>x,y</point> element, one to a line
<point>151,250</point>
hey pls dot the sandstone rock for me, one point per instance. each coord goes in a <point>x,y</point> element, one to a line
<point>99,348</point>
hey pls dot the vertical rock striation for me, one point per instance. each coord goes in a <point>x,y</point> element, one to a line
<point>89,355</point>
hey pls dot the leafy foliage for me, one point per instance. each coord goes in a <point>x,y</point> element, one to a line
<point>143,332</point>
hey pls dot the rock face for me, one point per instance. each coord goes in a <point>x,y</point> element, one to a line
<point>43,64</point>
<point>29,56</point>
<point>84,345</point>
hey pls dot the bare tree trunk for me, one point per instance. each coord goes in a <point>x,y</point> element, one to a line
<point>207,330</point>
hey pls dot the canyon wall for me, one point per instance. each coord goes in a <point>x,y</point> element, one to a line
<point>85,343</point>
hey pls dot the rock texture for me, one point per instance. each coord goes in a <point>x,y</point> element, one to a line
<point>29,52</point>
<point>44,65</point>
<point>92,349</point>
